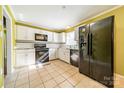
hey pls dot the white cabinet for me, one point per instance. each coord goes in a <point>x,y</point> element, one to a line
<point>67,55</point>
<point>76,37</point>
<point>64,54</point>
<point>24,33</point>
<point>50,36</point>
<point>56,37</point>
<point>59,37</point>
<point>25,57</point>
<point>70,38</point>
<point>61,53</point>
<point>30,35</point>
<point>52,53</point>
<point>27,33</point>
<point>20,59</point>
<point>31,58</point>
<point>21,33</point>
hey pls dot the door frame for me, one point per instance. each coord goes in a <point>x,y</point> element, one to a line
<point>9,40</point>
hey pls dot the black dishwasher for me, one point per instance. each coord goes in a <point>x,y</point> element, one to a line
<point>74,57</point>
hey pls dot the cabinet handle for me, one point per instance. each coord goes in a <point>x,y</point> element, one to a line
<point>88,44</point>
<point>91,44</point>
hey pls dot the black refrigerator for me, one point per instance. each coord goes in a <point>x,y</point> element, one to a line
<point>96,50</point>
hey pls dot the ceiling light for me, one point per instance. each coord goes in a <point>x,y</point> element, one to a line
<point>63,7</point>
<point>68,27</point>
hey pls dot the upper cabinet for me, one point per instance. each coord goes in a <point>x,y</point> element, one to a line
<point>24,33</point>
<point>27,33</point>
<point>59,37</point>
<point>76,37</point>
<point>70,38</point>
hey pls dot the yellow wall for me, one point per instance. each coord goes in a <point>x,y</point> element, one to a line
<point>1,63</point>
<point>118,37</point>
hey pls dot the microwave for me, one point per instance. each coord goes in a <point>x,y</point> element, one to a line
<point>41,37</point>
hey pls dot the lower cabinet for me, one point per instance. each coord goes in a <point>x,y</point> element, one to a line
<point>64,54</point>
<point>25,57</point>
<point>52,53</point>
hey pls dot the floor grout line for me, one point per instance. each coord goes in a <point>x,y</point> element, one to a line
<point>54,65</point>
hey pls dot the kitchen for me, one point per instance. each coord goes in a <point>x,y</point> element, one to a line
<point>59,44</point>
<point>75,56</point>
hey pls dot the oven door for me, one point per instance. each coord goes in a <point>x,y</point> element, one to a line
<point>42,56</point>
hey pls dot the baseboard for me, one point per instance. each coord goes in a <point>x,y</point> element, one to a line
<point>54,59</point>
<point>63,61</point>
<point>118,81</point>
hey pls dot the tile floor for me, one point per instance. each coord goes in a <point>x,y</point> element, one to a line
<point>55,74</point>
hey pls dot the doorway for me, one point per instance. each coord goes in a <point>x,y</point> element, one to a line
<point>7,42</point>
<point>5,45</point>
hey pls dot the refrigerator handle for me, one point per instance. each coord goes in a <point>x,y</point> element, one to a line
<point>91,37</point>
<point>88,44</point>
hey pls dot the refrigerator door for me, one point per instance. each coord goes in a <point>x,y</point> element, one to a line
<point>84,49</point>
<point>101,59</point>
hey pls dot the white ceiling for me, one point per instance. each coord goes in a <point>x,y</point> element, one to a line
<point>57,16</point>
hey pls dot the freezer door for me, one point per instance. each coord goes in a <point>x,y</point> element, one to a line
<point>84,49</point>
<point>101,59</point>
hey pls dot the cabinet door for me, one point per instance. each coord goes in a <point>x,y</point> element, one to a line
<point>20,60</point>
<point>76,36</point>
<point>21,33</point>
<point>70,38</point>
<point>67,55</point>
<point>61,54</point>
<point>31,34</point>
<point>62,37</point>
<point>52,54</point>
<point>50,36</point>
<point>30,58</point>
<point>56,37</point>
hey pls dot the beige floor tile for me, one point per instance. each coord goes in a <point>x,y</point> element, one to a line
<point>26,85</point>
<point>10,79</point>
<point>60,71</point>
<point>34,77</point>
<point>66,75</point>
<point>41,70</point>
<point>21,81</point>
<point>33,72</point>
<point>73,80</point>
<point>46,77</point>
<point>9,85</point>
<point>44,73</point>
<point>65,84</point>
<point>23,73</point>
<point>35,83</point>
<point>50,84</point>
<point>54,74</point>
<point>89,83</point>
<point>22,76</point>
<point>71,72</point>
<point>51,70</point>
<point>39,86</point>
<point>59,79</point>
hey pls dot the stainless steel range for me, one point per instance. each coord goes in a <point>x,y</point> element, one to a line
<point>41,53</point>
